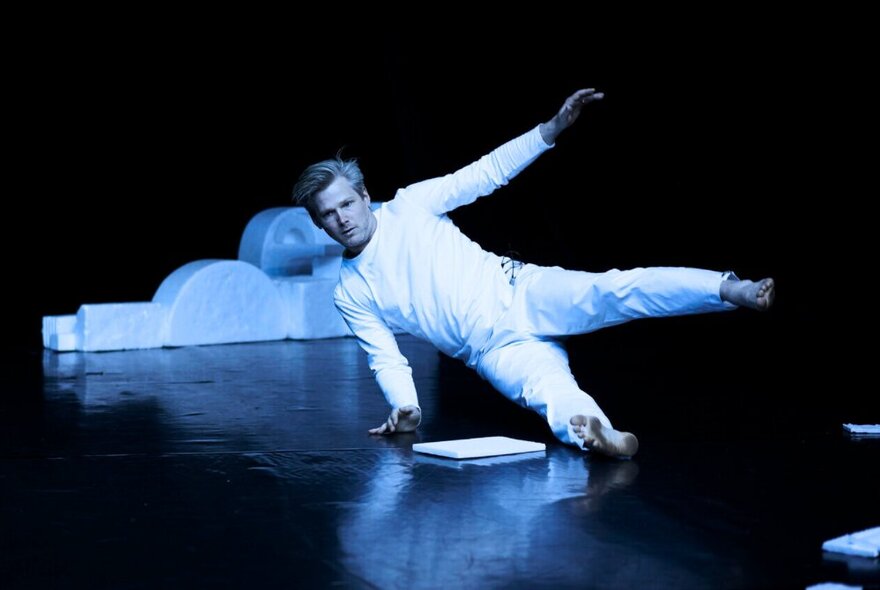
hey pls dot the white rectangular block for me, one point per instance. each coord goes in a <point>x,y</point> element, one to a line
<point>469,448</point>
<point>63,342</point>
<point>54,325</point>
<point>327,266</point>
<point>120,326</point>
<point>311,312</point>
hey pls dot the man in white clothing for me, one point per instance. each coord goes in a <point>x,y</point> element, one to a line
<point>407,267</point>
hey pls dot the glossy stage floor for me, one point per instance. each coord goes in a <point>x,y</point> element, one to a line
<point>249,465</point>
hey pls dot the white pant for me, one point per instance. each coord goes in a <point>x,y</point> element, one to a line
<point>526,362</point>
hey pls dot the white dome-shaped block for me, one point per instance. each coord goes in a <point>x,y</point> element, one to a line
<point>218,302</point>
<point>284,242</point>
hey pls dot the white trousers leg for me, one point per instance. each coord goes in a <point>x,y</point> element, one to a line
<point>558,302</point>
<point>536,375</point>
<point>525,361</point>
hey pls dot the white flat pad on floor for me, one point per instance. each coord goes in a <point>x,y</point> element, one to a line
<point>865,543</point>
<point>862,428</point>
<point>468,448</point>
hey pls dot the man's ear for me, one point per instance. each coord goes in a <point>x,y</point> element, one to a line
<point>366,195</point>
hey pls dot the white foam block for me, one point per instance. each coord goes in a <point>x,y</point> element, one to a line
<point>119,326</point>
<point>311,312</point>
<point>282,241</point>
<point>469,448</point>
<point>219,302</point>
<point>56,325</point>
<point>62,342</point>
<point>865,543</point>
<point>285,242</point>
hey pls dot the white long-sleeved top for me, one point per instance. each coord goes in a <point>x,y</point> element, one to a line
<point>419,273</point>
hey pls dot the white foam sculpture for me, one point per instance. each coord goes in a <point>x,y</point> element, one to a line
<point>280,287</point>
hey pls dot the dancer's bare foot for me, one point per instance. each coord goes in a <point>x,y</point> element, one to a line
<point>755,295</point>
<point>603,439</point>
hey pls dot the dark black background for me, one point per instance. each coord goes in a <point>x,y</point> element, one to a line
<point>725,141</point>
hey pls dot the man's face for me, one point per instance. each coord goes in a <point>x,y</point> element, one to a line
<point>345,215</point>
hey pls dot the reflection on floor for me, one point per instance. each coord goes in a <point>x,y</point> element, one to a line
<point>250,466</point>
